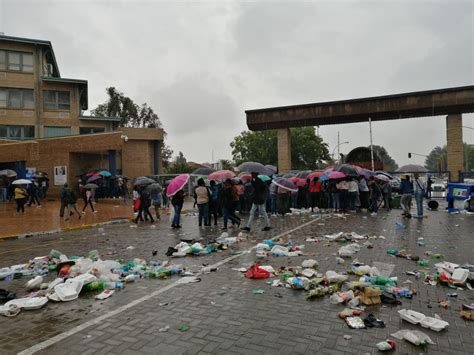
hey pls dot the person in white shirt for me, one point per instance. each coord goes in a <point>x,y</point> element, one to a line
<point>419,189</point>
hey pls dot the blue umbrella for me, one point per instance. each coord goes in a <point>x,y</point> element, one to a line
<point>105,173</point>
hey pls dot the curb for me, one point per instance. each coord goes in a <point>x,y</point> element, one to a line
<point>62,230</point>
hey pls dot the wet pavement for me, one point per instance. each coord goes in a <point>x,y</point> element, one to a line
<point>222,313</point>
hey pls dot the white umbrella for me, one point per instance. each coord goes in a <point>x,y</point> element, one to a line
<point>382,177</point>
<point>8,173</point>
<point>21,182</point>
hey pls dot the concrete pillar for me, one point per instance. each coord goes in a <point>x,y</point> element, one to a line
<point>455,146</point>
<point>20,168</point>
<point>113,162</point>
<point>156,148</point>
<point>284,150</point>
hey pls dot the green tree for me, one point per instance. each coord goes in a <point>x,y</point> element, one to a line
<point>307,149</point>
<point>389,163</point>
<point>438,158</point>
<point>166,155</point>
<point>179,165</point>
<point>227,164</point>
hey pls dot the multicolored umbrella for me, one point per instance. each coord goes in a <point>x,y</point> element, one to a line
<point>328,170</point>
<point>336,175</point>
<point>177,184</point>
<point>94,178</point>
<point>381,172</point>
<point>365,173</point>
<point>253,167</point>
<point>221,175</point>
<point>348,170</point>
<point>285,184</point>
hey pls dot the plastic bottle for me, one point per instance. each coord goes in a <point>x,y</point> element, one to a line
<point>95,286</point>
<point>423,262</point>
<point>117,285</point>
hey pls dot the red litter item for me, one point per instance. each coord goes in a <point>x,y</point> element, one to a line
<point>64,272</point>
<point>256,272</point>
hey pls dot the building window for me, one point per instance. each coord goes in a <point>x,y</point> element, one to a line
<point>16,61</point>
<point>17,132</point>
<point>91,130</point>
<point>16,98</point>
<point>56,100</point>
<point>52,131</point>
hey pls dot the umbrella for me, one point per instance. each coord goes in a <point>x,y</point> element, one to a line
<point>245,176</point>
<point>143,181</point>
<point>303,174</point>
<point>348,170</point>
<point>365,173</point>
<point>297,181</point>
<point>94,178</point>
<point>177,184</point>
<point>21,182</point>
<point>255,168</point>
<point>221,175</point>
<point>153,187</point>
<point>315,174</point>
<point>105,173</point>
<point>337,175</point>
<point>289,175</point>
<point>328,171</point>
<point>8,173</point>
<point>92,173</point>
<point>285,184</point>
<point>324,178</point>
<point>380,172</point>
<point>272,168</point>
<point>40,174</point>
<point>90,186</point>
<point>203,171</point>
<point>412,168</point>
<point>264,178</point>
<point>382,177</point>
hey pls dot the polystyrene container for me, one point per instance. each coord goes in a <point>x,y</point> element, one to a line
<point>411,316</point>
<point>460,276</point>
<point>434,324</point>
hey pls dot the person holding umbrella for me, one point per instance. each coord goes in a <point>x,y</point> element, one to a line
<point>177,201</point>
<point>145,203</point>
<point>259,198</point>
<point>21,197</point>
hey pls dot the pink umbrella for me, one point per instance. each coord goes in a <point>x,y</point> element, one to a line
<point>315,174</point>
<point>297,181</point>
<point>337,175</point>
<point>177,184</point>
<point>221,175</point>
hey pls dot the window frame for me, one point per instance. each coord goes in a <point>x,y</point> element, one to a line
<point>20,67</point>
<point>53,136</point>
<point>22,129</point>
<point>56,105</point>
<point>22,98</point>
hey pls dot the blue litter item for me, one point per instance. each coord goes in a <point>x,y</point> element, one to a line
<point>269,242</point>
<point>399,225</point>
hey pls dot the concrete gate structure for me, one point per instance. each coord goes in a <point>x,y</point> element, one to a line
<point>452,102</point>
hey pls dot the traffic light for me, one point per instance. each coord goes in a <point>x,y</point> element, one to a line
<point>409,155</point>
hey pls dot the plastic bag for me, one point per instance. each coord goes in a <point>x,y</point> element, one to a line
<point>256,272</point>
<point>298,283</point>
<point>310,263</point>
<point>333,276</point>
<point>347,251</point>
<point>279,250</point>
<point>413,336</point>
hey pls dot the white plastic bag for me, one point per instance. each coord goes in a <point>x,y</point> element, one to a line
<point>279,250</point>
<point>309,263</point>
<point>333,277</point>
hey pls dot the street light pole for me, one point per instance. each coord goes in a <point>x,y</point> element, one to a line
<point>371,145</point>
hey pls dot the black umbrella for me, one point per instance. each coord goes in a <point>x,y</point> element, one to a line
<point>153,187</point>
<point>203,171</point>
<point>272,168</point>
<point>347,169</point>
<point>253,167</point>
<point>143,181</point>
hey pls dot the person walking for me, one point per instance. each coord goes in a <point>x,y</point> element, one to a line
<point>419,188</point>
<point>272,191</point>
<point>33,192</point>
<point>144,209</point>
<point>375,193</point>
<point>177,201</point>
<point>229,200</point>
<point>64,198</point>
<point>283,201</point>
<point>429,187</point>
<point>353,194</point>
<point>88,201</point>
<point>260,194</point>
<point>241,194</point>
<point>387,195</point>
<point>21,196</point>
<point>156,199</point>
<point>214,202</point>
<point>406,189</point>
<point>202,195</point>
<point>71,200</point>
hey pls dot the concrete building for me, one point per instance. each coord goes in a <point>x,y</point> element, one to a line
<point>42,125</point>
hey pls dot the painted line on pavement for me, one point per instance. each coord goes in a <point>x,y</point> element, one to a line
<point>51,341</point>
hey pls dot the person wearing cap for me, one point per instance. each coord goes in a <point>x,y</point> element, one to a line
<point>258,202</point>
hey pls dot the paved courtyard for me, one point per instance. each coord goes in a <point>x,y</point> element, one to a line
<point>221,311</point>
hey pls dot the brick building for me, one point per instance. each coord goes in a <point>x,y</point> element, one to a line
<point>42,125</point>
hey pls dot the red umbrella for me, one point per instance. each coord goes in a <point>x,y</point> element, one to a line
<point>337,175</point>
<point>298,181</point>
<point>315,174</point>
<point>221,175</point>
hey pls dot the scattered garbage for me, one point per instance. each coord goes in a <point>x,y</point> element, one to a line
<point>413,317</point>
<point>355,322</point>
<point>184,328</point>
<point>386,345</point>
<point>258,291</point>
<point>6,295</point>
<point>104,294</point>
<point>372,322</point>
<point>256,272</point>
<point>164,329</point>
<point>415,337</point>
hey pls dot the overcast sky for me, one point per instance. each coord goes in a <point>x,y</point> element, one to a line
<point>201,64</point>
